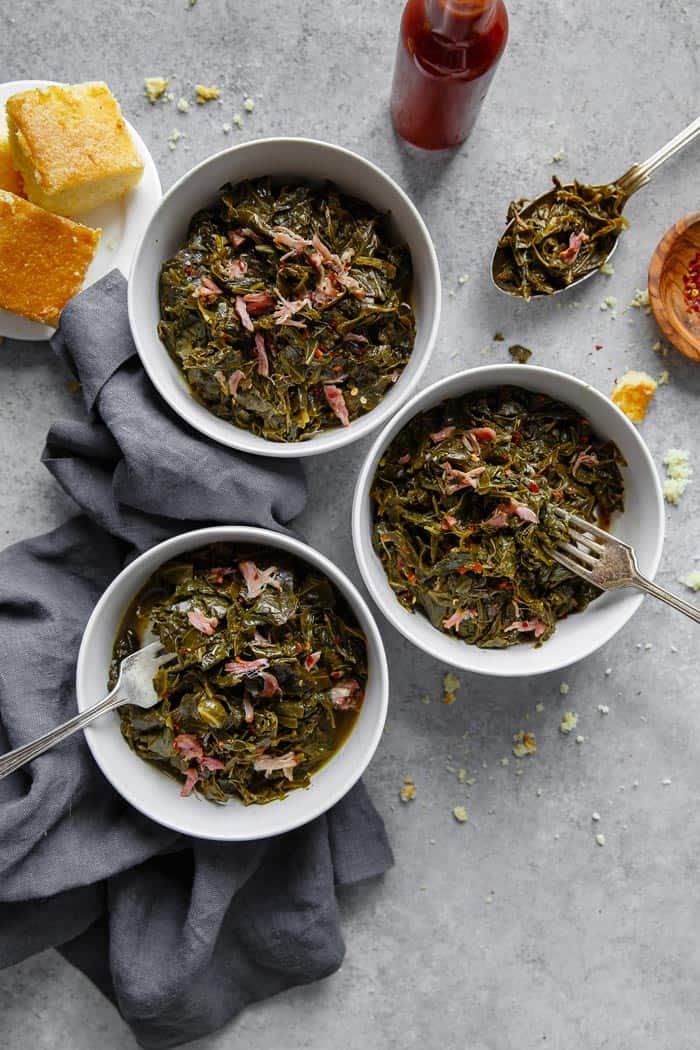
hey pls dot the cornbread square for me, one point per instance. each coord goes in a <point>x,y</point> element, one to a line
<point>10,179</point>
<point>43,259</point>
<point>633,394</point>
<point>71,147</point>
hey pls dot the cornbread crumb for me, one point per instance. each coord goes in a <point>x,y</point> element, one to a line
<point>608,303</point>
<point>408,790</point>
<point>450,684</point>
<point>524,744</point>
<point>600,839</point>
<point>595,816</point>
<point>249,105</point>
<point>539,707</point>
<point>206,93</point>
<point>564,688</point>
<point>604,709</point>
<point>607,269</point>
<point>633,393</point>
<point>504,761</point>
<point>679,471</point>
<point>226,128</point>
<point>692,580</point>
<point>155,88</point>
<point>666,781</point>
<point>558,157</point>
<point>641,298</point>
<point>580,739</point>
<point>237,119</point>
<point>568,722</point>
<point>425,699</point>
<point>174,137</point>
<point>463,278</point>
<point>460,814</point>
<point>538,792</point>
<point>183,105</point>
<point>664,378</point>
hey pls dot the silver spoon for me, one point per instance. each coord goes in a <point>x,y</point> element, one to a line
<point>632,180</point>
<point>134,686</point>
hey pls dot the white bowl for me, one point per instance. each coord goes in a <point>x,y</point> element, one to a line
<point>641,524</point>
<point>158,796</point>
<point>281,158</point>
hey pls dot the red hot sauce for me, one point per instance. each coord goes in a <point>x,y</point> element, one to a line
<point>447,54</point>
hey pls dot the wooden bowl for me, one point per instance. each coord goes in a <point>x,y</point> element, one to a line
<point>667,269</point>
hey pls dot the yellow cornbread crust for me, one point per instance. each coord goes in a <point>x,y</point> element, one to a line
<point>43,259</point>
<point>71,146</point>
<point>10,179</point>
<point>633,394</point>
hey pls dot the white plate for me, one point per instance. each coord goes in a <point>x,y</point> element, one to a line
<point>122,222</point>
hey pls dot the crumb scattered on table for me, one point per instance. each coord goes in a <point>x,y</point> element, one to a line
<point>460,814</point>
<point>679,472</point>
<point>155,88</point>
<point>569,721</point>
<point>600,839</point>
<point>632,394</point>
<point>206,93</point>
<point>524,744</point>
<point>408,790</point>
<point>450,685</point>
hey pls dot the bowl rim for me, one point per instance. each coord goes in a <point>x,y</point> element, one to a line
<point>337,437</point>
<point>298,548</point>
<point>492,375</point>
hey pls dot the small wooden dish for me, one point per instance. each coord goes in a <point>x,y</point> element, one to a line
<point>667,269</point>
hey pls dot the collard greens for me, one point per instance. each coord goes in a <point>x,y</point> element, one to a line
<point>288,308</point>
<point>464,523</point>
<point>566,236</point>
<point>271,669</point>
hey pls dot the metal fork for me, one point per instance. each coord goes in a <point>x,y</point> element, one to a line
<point>134,686</point>
<point>608,563</point>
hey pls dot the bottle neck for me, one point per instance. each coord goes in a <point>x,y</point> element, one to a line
<point>457,20</point>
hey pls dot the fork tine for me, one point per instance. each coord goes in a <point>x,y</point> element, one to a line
<point>582,555</point>
<point>587,541</point>
<point>571,565</point>
<point>588,526</point>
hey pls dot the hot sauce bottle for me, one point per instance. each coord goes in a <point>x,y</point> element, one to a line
<point>447,54</point>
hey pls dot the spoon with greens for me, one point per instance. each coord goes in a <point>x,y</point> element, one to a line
<point>569,233</point>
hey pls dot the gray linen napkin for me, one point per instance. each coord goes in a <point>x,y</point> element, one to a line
<point>181,934</point>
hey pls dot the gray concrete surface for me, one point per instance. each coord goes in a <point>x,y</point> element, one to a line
<point>514,930</point>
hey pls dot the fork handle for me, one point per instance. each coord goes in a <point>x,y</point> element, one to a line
<point>21,755</point>
<point>643,584</point>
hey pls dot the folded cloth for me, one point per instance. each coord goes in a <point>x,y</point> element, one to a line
<point>180,933</point>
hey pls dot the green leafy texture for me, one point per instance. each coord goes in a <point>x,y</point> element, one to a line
<point>347,324</point>
<point>532,254</point>
<point>464,553</point>
<point>228,713</point>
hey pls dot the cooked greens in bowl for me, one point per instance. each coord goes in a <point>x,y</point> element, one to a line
<point>288,308</point>
<point>270,673</point>
<point>463,502</point>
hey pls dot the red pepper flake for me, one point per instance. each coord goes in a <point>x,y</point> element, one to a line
<point>411,577</point>
<point>533,487</point>
<point>505,585</point>
<point>462,569</point>
<point>318,352</point>
<point>691,285</point>
<point>477,567</point>
<point>336,674</point>
<point>516,437</point>
<point>598,346</point>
